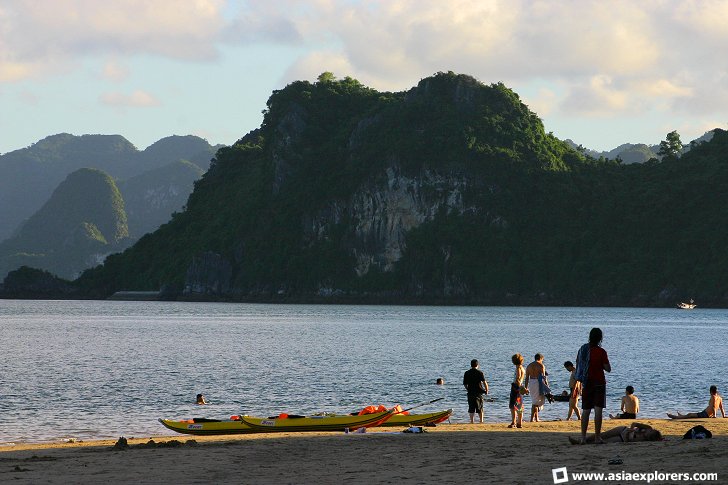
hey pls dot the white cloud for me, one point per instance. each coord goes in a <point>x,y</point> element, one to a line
<point>114,71</point>
<point>38,36</point>
<point>612,58</point>
<point>543,103</point>
<point>263,21</point>
<point>663,88</point>
<point>608,59</point>
<point>136,99</point>
<point>601,96</point>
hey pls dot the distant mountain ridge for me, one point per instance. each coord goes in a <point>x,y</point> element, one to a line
<point>450,192</point>
<point>28,176</point>
<point>635,152</point>
<point>152,197</point>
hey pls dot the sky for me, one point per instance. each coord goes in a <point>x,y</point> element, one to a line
<point>601,73</point>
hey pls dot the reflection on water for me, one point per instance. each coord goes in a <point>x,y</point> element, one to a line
<point>88,369</point>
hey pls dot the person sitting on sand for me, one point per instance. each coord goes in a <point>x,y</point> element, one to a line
<point>714,405</point>
<point>630,405</point>
<point>624,434</point>
<point>201,399</point>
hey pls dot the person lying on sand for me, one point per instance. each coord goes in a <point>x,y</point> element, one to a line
<point>624,434</point>
<point>714,405</point>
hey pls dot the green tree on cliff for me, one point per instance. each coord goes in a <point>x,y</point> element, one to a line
<point>671,147</point>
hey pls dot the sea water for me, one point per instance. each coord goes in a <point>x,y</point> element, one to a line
<point>99,369</point>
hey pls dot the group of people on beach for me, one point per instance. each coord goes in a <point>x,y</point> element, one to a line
<point>588,381</point>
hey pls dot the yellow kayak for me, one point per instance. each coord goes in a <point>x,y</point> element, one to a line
<point>316,423</point>
<point>418,419</point>
<point>202,426</point>
<point>207,426</point>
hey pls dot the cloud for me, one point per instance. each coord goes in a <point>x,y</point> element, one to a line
<point>274,22</point>
<point>543,102</point>
<point>136,99</point>
<point>608,58</point>
<point>611,58</point>
<point>601,96</point>
<point>113,71</point>
<point>39,37</point>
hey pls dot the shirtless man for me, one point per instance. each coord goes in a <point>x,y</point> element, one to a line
<point>630,405</point>
<point>533,371</point>
<point>714,405</point>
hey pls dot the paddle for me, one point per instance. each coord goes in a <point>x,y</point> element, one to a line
<point>419,405</point>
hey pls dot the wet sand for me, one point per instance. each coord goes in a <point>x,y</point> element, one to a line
<point>448,453</point>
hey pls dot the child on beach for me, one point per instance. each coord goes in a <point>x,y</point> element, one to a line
<point>573,394</point>
<point>515,402</point>
<point>630,405</point>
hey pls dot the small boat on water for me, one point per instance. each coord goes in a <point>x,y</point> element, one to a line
<point>686,306</point>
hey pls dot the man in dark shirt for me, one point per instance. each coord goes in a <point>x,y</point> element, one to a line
<point>476,385</point>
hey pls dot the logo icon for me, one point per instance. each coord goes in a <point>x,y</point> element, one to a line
<point>560,475</point>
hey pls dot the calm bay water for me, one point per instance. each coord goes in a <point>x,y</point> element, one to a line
<point>96,369</point>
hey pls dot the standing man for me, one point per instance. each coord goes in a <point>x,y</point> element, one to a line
<point>476,385</point>
<point>537,385</point>
<point>591,363</point>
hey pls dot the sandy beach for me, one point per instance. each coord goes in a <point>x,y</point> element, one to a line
<point>448,453</point>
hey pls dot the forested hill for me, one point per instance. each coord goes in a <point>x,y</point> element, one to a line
<point>450,192</point>
<point>29,176</point>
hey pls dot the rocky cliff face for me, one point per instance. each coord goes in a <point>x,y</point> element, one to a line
<point>381,214</point>
<point>208,275</point>
<point>151,198</point>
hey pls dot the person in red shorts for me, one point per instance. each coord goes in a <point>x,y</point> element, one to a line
<point>591,363</point>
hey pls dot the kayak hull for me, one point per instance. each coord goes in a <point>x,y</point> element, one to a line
<point>212,427</point>
<point>316,423</point>
<point>418,419</point>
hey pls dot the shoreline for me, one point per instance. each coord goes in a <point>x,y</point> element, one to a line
<point>671,427</point>
<point>448,453</point>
